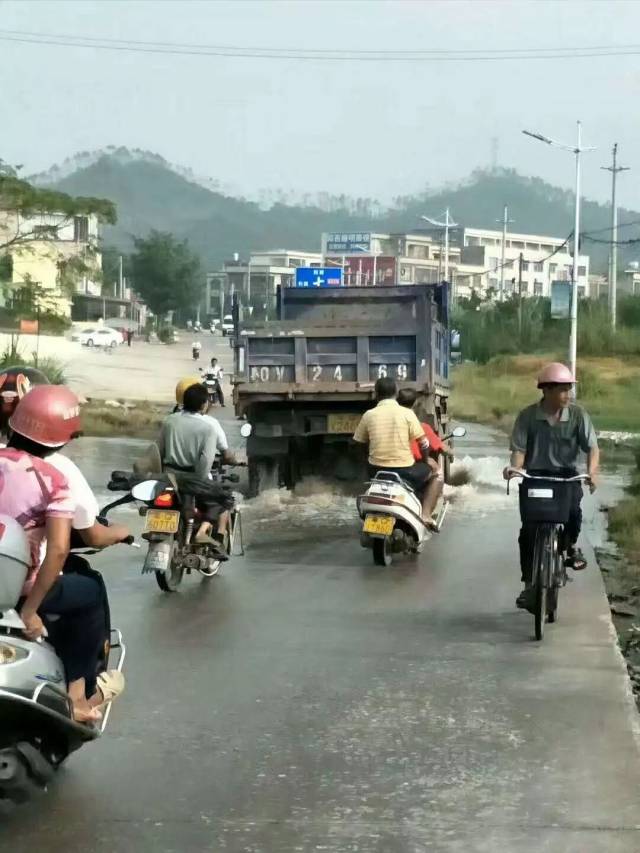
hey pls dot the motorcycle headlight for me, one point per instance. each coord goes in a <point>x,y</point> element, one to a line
<point>11,654</point>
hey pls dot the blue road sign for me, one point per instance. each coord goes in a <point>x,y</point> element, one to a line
<point>319,277</point>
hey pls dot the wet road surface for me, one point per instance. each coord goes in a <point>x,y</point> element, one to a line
<point>306,700</point>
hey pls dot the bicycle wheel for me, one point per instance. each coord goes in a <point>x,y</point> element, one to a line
<point>553,592</point>
<point>542,563</point>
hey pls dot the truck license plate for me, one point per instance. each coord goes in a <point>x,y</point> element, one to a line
<point>162,521</point>
<point>343,423</point>
<point>381,524</point>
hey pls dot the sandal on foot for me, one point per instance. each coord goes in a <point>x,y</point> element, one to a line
<point>576,561</point>
<point>111,684</point>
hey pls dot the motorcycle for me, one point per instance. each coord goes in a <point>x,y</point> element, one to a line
<point>171,519</point>
<point>38,731</point>
<point>213,387</point>
<point>195,353</point>
<point>392,515</point>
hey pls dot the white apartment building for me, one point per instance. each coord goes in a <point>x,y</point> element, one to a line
<point>545,259</point>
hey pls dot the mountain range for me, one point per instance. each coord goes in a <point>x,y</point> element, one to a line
<point>151,193</point>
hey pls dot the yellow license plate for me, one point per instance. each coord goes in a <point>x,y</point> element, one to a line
<point>162,521</point>
<point>381,524</point>
<point>343,423</point>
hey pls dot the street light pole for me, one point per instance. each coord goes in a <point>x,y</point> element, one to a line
<point>577,150</point>
<point>613,255</point>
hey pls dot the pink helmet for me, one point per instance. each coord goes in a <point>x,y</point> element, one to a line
<point>48,415</point>
<point>555,374</point>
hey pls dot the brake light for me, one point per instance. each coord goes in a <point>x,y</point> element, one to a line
<point>370,499</point>
<point>164,500</point>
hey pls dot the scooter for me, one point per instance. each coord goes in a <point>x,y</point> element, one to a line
<point>392,515</point>
<point>37,730</point>
<point>212,385</point>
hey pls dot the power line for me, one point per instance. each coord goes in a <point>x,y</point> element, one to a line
<point>311,54</point>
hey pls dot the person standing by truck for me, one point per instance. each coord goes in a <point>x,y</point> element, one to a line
<point>389,429</point>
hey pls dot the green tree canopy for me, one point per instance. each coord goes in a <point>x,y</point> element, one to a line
<point>166,273</point>
<point>22,198</point>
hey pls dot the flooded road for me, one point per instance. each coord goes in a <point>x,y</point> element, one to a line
<point>307,700</point>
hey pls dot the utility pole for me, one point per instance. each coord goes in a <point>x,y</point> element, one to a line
<point>505,221</point>
<point>120,290</point>
<point>520,267</point>
<point>613,254</point>
<point>446,225</point>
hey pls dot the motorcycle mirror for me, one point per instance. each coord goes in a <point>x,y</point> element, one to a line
<point>459,432</point>
<point>246,430</point>
<point>145,491</point>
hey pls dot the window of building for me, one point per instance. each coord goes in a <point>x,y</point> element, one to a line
<point>525,287</point>
<point>533,247</point>
<point>517,244</point>
<point>525,266</point>
<point>45,232</point>
<point>538,266</point>
<point>493,264</point>
<point>582,270</point>
<point>537,288</point>
<point>581,292</point>
<point>81,229</point>
<point>546,248</point>
<point>552,268</point>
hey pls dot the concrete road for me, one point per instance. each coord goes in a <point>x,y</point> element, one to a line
<point>142,371</point>
<point>306,700</point>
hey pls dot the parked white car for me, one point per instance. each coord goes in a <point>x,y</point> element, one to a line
<point>101,336</point>
<point>227,324</point>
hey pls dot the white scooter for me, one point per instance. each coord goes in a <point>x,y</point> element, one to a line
<point>392,515</point>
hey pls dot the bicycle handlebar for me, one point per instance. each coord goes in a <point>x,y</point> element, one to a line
<point>519,472</point>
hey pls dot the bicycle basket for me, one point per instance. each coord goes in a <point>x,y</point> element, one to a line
<point>545,501</point>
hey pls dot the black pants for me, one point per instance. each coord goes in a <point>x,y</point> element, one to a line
<point>416,475</point>
<point>526,540</point>
<point>75,613</point>
<point>220,394</point>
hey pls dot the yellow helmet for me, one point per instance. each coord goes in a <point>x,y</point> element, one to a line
<point>182,386</point>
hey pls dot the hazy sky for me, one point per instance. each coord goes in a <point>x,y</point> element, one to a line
<point>365,128</point>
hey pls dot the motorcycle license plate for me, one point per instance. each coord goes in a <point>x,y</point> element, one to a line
<point>381,524</point>
<point>162,521</point>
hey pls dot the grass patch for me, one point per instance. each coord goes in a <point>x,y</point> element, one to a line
<point>495,392</point>
<point>142,421</point>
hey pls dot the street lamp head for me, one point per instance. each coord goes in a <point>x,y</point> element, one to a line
<point>538,136</point>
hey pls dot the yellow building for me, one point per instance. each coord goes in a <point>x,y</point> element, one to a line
<point>41,245</point>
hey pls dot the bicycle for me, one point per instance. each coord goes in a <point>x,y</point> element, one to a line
<point>546,505</point>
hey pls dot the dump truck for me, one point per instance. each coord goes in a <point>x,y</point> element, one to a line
<point>304,379</point>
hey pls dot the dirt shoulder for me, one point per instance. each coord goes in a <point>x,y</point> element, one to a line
<point>620,567</point>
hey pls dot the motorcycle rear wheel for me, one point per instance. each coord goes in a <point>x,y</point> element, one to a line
<point>382,551</point>
<point>169,580</point>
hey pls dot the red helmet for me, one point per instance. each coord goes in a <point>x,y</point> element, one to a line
<point>555,374</point>
<point>48,415</point>
<point>15,382</point>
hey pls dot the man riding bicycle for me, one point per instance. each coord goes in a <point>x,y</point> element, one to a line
<point>547,440</point>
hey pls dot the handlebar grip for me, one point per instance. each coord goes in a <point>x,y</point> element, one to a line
<point>129,540</point>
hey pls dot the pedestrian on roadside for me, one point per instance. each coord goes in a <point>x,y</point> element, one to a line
<point>129,337</point>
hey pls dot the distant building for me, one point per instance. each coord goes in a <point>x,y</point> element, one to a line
<point>255,280</point>
<point>629,284</point>
<point>44,243</point>
<point>377,258</point>
<point>545,259</point>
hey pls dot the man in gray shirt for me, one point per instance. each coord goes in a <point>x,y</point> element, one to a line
<point>547,439</point>
<point>189,441</point>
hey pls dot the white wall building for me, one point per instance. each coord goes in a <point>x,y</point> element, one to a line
<point>545,259</point>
